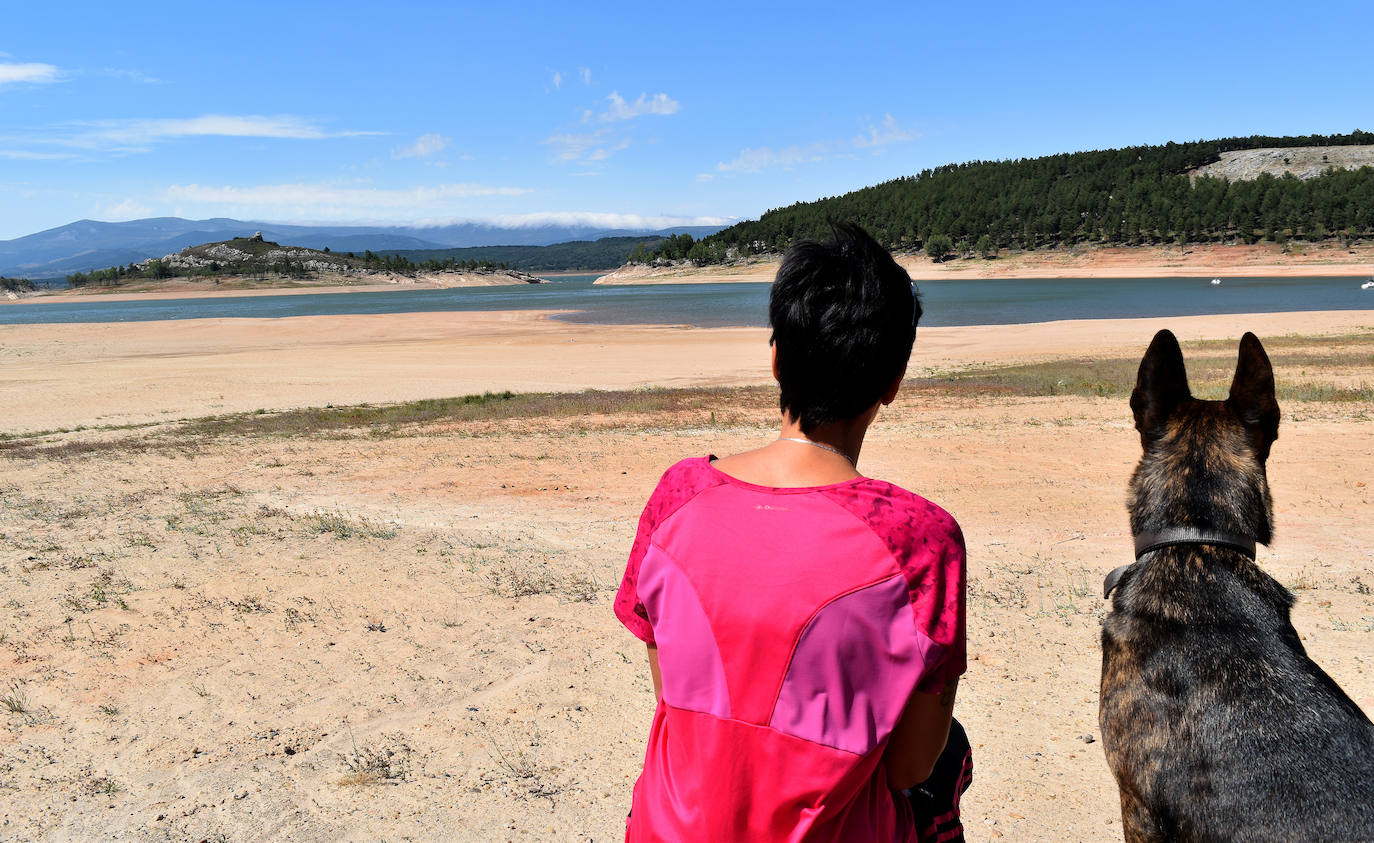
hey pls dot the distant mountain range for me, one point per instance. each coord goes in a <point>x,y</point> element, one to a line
<point>86,245</point>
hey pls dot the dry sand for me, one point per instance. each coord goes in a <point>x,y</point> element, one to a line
<point>196,288</point>
<point>1264,260</point>
<point>61,376</point>
<point>407,634</point>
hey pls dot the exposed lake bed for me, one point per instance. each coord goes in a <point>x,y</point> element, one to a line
<point>252,595</point>
<point>305,623</point>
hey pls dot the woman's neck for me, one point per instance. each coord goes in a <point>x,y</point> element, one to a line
<point>844,438</point>
<point>827,454</point>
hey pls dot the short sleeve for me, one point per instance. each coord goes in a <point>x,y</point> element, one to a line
<point>628,607</point>
<point>938,593</point>
<point>679,484</point>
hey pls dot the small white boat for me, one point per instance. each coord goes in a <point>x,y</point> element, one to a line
<point>1368,285</point>
<point>1216,282</point>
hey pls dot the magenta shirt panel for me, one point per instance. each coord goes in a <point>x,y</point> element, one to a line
<point>853,669</point>
<point>688,658</point>
<point>762,564</point>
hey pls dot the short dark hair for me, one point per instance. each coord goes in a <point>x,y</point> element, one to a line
<point>843,315</point>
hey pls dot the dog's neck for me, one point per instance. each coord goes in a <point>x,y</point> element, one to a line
<point>1212,489</point>
<point>1146,543</point>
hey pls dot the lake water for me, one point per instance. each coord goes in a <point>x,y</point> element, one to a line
<point>961,302</point>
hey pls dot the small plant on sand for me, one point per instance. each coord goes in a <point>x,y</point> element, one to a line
<point>250,605</point>
<point>344,527</point>
<point>140,539</point>
<point>1306,580</point>
<point>577,588</point>
<point>521,767</point>
<point>14,700</point>
<point>515,763</point>
<point>383,762</point>
<point>103,786</point>
<point>292,618</point>
<point>108,709</point>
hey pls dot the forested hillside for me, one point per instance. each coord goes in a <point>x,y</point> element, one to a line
<point>1133,196</point>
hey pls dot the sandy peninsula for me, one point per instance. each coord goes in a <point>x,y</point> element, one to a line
<point>1197,261</point>
<point>193,287</point>
<point>363,623</point>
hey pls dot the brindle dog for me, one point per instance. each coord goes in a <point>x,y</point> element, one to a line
<point>1215,722</point>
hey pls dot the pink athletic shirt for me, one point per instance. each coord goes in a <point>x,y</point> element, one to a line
<point>792,626</point>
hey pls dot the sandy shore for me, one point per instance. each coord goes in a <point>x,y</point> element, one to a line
<point>61,376</point>
<point>188,288</point>
<point>385,632</point>
<point>1267,260</point>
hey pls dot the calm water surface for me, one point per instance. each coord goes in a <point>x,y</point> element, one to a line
<point>963,302</point>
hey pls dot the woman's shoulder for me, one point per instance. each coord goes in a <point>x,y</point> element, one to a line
<point>692,473</point>
<point>896,514</point>
<point>682,481</point>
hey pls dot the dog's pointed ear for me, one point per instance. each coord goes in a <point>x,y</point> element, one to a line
<point>1252,394</point>
<point>1160,385</point>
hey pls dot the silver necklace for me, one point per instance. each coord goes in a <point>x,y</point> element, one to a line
<point>821,445</point>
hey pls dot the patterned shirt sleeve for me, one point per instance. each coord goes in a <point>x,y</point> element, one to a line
<point>628,607</point>
<point>679,484</point>
<point>938,598</point>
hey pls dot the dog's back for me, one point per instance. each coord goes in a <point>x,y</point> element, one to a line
<point>1215,722</point>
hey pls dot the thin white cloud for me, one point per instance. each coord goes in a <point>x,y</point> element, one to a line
<point>586,74</point>
<point>129,209</point>
<point>603,220</point>
<point>594,146</point>
<point>211,125</point>
<point>620,109</point>
<point>887,132</point>
<point>28,155</point>
<point>135,75</point>
<point>424,146</point>
<point>557,79</point>
<point>123,137</point>
<point>604,152</point>
<point>332,201</point>
<point>31,72</point>
<point>754,159</point>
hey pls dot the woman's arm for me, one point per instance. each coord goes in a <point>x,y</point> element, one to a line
<point>658,679</point>
<point>918,738</point>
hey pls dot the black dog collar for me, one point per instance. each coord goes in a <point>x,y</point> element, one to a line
<point>1170,536</point>
<point>1146,542</point>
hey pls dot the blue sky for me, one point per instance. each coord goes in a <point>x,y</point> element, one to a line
<point>628,114</point>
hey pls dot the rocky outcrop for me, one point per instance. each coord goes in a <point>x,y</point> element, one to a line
<point>1305,162</point>
<point>224,255</point>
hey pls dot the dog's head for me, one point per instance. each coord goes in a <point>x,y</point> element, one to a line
<point>1203,462</point>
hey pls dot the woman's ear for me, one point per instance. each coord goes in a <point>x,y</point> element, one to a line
<point>773,352</point>
<point>891,394</point>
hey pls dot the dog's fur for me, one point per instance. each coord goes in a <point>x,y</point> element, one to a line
<point>1214,720</point>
